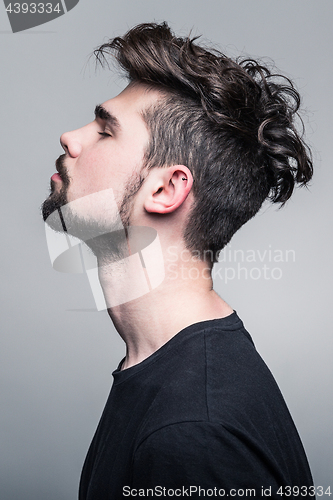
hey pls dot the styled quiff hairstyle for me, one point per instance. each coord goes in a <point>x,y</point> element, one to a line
<point>230,122</point>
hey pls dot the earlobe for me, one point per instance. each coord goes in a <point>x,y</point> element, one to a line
<point>169,189</point>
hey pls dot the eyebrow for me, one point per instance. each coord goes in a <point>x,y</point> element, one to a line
<point>103,114</point>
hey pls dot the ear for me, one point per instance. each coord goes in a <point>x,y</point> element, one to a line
<point>168,188</point>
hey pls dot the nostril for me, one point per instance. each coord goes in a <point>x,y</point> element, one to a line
<point>70,144</point>
<point>63,145</point>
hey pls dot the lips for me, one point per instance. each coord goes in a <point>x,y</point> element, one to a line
<point>56,177</point>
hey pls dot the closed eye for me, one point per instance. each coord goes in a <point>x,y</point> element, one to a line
<point>104,134</point>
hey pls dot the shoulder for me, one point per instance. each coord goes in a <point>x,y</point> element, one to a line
<point>215,375</point>
<point>205,454</point>
<point>218,415</point>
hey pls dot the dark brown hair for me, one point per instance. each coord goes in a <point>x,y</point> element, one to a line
<point>232,123</point>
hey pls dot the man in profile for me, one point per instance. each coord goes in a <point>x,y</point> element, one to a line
<point>190,149</point>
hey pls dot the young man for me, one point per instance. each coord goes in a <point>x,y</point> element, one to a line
<point>189,150</point>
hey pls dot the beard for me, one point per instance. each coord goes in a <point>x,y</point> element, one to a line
<point>57,199</point>
<point>105,235</point>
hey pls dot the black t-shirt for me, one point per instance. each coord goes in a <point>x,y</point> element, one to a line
<point>201,417</point>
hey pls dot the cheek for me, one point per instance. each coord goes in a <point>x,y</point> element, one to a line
<point>96,171</point>
<point>112,166</point>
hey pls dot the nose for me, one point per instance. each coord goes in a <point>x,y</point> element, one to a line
<point>71,144</point>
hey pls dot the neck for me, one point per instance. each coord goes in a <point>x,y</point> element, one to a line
<point>146,317</point>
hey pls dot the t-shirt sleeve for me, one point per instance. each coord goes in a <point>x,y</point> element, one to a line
<point>207,456</point>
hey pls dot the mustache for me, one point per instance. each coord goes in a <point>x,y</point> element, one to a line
<point>62,170</point>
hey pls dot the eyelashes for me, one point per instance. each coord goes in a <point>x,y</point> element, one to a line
<point>104,134</point>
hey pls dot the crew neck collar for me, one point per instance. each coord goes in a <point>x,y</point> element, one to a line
<point>228,323</point>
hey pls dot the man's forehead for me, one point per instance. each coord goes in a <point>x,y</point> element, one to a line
<point>135,98</point>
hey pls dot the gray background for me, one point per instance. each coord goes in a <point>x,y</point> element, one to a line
<point>57,354</point>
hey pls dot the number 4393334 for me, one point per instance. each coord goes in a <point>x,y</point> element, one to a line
<point>33,8</point>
